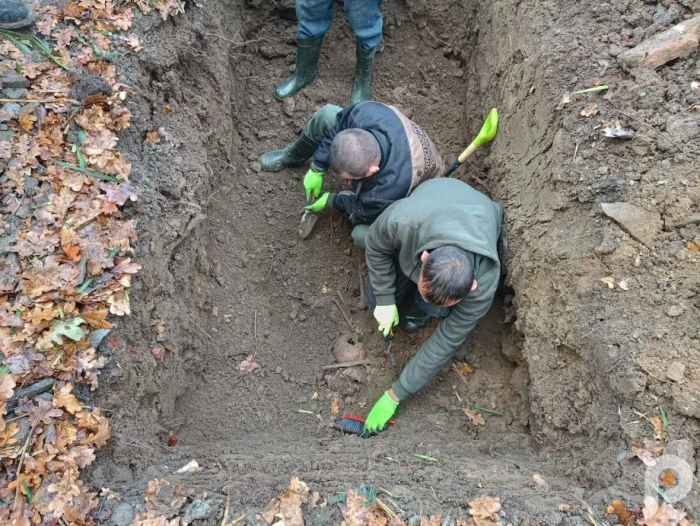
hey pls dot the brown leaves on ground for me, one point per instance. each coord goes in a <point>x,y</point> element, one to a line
<point>357,512</point>
<point>286,508</point>
<point>539,481</point>
<point>65,399</point>
<point>68,262</point>
<point>647,450</point>
<point>659,514</point>
<point>248,365</point>
<point>623,514</point>
<point>485,510</point>
<point>335,407</point>
<point>474,415</point>
<point>464,368</point>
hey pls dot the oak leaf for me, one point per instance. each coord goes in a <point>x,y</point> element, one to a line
<point>485,508</point>
<point>73,252</point>
<point>357,512</point>
<point>286,508</point>
<point>65,398</point>
<point>476,417</point>
<point>623,514</point>
<point>26,120</point>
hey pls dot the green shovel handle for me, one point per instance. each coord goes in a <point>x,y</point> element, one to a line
<point>487,133</point>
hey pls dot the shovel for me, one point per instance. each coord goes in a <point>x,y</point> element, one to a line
<point>487,133</point>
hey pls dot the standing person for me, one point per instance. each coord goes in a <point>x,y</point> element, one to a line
<point>14,15</point>
<point>437,248</point>
<point>314,19</point>
<point>373,146</point>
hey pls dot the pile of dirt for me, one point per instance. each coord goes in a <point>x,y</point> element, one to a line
<point>598,324</point>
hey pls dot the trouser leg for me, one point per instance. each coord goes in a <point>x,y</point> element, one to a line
<point>314,17</point>
<point>365,19</point>
<point>359,234</point>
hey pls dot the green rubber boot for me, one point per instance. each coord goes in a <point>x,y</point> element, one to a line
<point>308,53</point>
<point>295,154</point>
<point>361,86</point>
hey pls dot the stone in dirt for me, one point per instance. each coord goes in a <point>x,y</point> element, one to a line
<point>664,47</point>
<point>639,223</point>
<point>123,515</point>
<point>88,85</point>
<point>675,371</point>
<point>14,80</point>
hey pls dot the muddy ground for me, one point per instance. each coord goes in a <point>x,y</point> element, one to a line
<point>566,358</point>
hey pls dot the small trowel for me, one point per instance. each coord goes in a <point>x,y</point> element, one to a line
<point>308,220</point>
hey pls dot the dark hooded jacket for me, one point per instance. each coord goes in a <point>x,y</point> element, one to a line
<point>438,213</point>
<point>409,157</point>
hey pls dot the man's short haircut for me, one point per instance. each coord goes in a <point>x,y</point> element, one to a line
<point>448,275</point>
<point>353,151</point>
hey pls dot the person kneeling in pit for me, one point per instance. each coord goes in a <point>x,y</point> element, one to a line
<point>373,146</point>
<point>437,249</point>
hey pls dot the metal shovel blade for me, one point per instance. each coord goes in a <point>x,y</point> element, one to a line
<point>306,225</point>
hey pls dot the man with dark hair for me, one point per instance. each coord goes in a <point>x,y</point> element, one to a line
<point>315,18</point>
<point>437,249</point>
<point>376,148</point>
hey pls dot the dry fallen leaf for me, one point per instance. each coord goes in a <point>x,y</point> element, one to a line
<point>65,398</point>
<point>248,365</point>
<point>26,120</point>
<point>464,368</point>
<point>566,99</point>
<point>430,521</point>
<point>590,110</point>
<point>485,508</point>
<point>656,514</point>
<point>476,417</point>
<point>286,508</point>
<point>609,281</point>
<point>152,137</point>
<point>191,467</point>
<point>694,246</point>
<point>335,407</point>
<point>647,451</point>
<point>623,514</point>
<point>539,481</point>
<point>356,512</point>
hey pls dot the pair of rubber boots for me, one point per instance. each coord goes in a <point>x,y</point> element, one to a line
<point>308,54</point>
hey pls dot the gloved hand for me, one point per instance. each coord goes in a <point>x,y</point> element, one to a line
<point>381,412</point>
<point>319,204</point>
<point>313,181</point>
<point>387,316</point>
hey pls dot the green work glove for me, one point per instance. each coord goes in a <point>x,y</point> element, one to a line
<point>381,412</point>
<point>387,316</point>
<point>319,204</point>
<point>313,181</point>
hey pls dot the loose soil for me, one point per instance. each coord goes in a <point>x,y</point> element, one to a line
<point>565,358</point>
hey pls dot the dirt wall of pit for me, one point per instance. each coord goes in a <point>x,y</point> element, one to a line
<point>593,354</point>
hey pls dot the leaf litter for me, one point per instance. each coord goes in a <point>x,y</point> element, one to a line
<point>69,263</point>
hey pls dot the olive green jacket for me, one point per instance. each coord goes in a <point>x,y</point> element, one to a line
<point>439,212</point>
